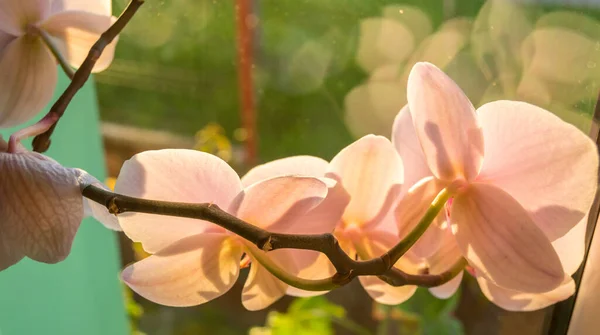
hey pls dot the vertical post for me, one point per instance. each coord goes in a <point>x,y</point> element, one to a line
<point>245,25</point>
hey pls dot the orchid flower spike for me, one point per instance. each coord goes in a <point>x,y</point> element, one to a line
<point>196,261</point>
<point>41,207</point>
<point>520,179</point>
<point>31,31</point>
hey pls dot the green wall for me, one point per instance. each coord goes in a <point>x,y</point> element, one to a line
<point>81,295</point>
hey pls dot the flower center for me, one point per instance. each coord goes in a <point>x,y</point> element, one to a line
<point>458,186</point>
<point>32,30</point>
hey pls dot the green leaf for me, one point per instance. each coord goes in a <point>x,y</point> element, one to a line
<point>304,317</point>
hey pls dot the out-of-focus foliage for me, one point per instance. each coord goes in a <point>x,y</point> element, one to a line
<point>134,310</point>
<point>212,139</point>
<point>425,314</point>
<point>507,51</point>
<point>307,316</point>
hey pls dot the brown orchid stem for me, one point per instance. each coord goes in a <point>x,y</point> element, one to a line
<point>346,267</point>
<point>41,142</point>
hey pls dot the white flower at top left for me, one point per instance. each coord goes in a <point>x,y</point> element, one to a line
<point>41,207</point>
<point>28,70</point>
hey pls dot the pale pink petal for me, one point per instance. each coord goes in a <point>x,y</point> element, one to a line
<point>549,166</point>
<point>308,166</point>
<point>310,265</point>
<point>77,32</point>
<point>571,247</point>
<point>412,208</point>
<point>189,272</point>
<point>443,260</point>
<point>174,175</point>
<point>262,288</point>
<point>404,138</point>
<point>384,293</point>
<point>375,245</point>
<point>9,255</point>
<point>324,217</point>
<point>369,169</point>
<point>321,219</point>
<point>100,7</point>
<point>276,203</point>
<point>448,289</point>
<point>16,14</point>
<point>500,240</point>
<point>41,206</point>
<point>92,208</point>
<point>29,75</point>
<point>525,302</point>
<point>445,122</point>
<point>5,39</point>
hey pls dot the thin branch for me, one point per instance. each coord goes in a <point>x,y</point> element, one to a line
<point>346,267</point>
<point>41,143</point>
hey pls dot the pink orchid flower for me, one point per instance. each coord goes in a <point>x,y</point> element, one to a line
<point>27,67</point>
<point>324,218</point>
<point>369,171</point>
<point>570,248</point>
<point>41,207</point>
<point>520,179</point>
<point>195,261</point>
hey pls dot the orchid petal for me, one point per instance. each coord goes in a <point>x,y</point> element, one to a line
<point>174,175</point>
<point>374,245</point>
<point>321,219</point>
<point>445,122</point>
<point>15,15</point>
<point>549,166</point>
<point>412,208</point>
<point>92,208</point>
<point>406,142</point>
<point>9,255</point>
<point>448,289</point>
<point>29,75</point>
<point>276,203</point>
<point>78,31</point>
<point>310,265</point>
<point>189,272</point>
<point>262,288</point>
<point>41,206</point>
<point>325,216</point>
<point>525,302</point>
<point>384,293</point>
<point>443,260</point>
<point>371,172</point>
<point>571,247</point>
<point>501,241</point>
<point>100,7</point>
<point>308,166</point>
<point>5,39</point>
